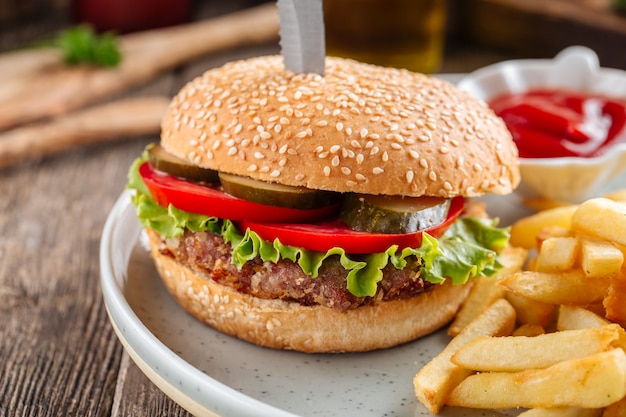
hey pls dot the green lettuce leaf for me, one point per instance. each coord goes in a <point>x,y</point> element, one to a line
<point>468,248</point>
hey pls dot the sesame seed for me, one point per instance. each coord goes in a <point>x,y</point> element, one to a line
<point>409,176</point>
<point>259,155</point>
<point>335,161</point>
<point>432,176</point>
<point>327,171</point>
<point>414,154</point>
<point>360,177</point>
<point>423,163</point>
<point>346,170</point>
<point>335,148</point>
<point>377,170</point>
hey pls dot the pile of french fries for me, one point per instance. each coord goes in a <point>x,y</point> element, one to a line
<point>546,334</point>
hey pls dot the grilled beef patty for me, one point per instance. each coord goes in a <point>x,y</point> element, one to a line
<point>209,254</point>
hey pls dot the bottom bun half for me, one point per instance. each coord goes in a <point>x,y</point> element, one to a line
<point>281,324</point>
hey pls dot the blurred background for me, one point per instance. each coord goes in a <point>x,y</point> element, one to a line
<point>476,31</point>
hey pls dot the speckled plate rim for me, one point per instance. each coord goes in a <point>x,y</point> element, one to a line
<point>188,386</point>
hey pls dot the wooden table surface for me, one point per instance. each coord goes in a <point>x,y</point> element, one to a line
<point>59,355</point>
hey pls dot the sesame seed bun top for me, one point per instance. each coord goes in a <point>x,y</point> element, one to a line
<point>359,128</point>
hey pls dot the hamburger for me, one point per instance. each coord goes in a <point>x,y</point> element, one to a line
<point>323,213</point>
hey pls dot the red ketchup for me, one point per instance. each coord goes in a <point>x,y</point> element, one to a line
<point>555,123</point>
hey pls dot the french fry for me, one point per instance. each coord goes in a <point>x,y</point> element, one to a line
<point>600,258</point>
<point>617,195</point>
<point>567,357</point>
<point>562,412</point>
<point>516,353</point>
<point>615,301</point>
<point>529,330</point>
<point>617,409</point>
<point>485,292</point>
<point>557,254</point>
<point>572,318</point>
<point>542,203</point>
<point>439,376</point>
<point>524,232</point>
<point>569,288</point>
<point>603,218</point>
<point>531,312</point>
<point>591,382</point>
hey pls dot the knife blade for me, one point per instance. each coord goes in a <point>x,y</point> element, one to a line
<point>302,35</point>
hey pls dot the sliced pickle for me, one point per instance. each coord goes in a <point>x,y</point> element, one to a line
<point>273,194</point>
<point>164,161</point>
<point>393,214</point>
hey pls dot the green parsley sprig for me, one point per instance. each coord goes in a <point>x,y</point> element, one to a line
<point>82,45</point>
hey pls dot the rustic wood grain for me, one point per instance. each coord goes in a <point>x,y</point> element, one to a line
<point>59,355</point>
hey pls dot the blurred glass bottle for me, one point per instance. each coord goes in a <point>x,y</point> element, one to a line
<point>396,33</point>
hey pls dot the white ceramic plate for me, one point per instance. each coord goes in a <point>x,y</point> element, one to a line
<point>211,374</point>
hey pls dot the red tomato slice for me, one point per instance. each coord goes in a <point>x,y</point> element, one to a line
<point>326,235</point>
<point>200,199</point>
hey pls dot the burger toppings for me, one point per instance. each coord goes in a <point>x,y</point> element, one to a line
<point>209,200</point>
<point>324,236</point>
<point>209,254</point>
<point>393,214</point>
<point>274,194</point>
<point>467,247</point>
<point>164,161</point>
